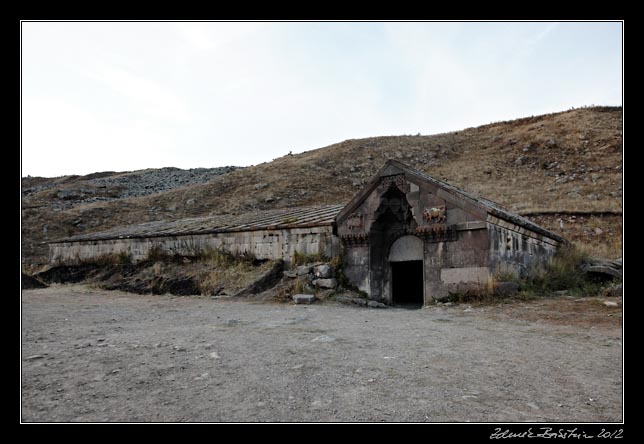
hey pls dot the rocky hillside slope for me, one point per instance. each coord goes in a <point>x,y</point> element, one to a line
<point>563,169</point>
<point>69,191</point>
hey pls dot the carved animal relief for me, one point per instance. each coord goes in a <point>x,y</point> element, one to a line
<point>355,221</point>
<point>435,214</point>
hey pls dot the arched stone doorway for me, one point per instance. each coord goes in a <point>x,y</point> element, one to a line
<point>392,219</point>
<point>407,281</point>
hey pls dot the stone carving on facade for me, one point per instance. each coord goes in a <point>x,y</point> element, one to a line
<point>394,204</point>
<point>355,240</point>
<point>355,221</point>
<point>434,215</point>
<point>397,180</point>
<point>437,233</point>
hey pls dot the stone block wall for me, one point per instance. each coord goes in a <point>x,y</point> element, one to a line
<point>263,244</point>
<point>357,268</point>
<point>515,249</point>
<point>456,266</point>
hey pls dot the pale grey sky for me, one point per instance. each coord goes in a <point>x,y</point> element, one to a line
<point>120,96</point>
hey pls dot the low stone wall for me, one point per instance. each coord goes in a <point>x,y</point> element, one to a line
<point>263,244</point>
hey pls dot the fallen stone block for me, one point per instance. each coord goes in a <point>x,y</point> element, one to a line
<point>325,283</point>
<point>343,299</point>
<point>351,300</point>
<point>323,271</point>
<point>303,270</point>
<point>303,298</point>
<point>323,338</point>
<point>376,304</point>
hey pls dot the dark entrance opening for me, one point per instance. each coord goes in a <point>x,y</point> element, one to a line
<point>407,283</point>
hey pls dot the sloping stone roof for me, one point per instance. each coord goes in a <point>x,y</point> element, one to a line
<point>303,217</point>
<point>264,220</point>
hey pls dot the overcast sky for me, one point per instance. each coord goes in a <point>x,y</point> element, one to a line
<point>127,96</point>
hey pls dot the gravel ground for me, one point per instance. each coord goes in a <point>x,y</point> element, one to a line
<point>91,355</point>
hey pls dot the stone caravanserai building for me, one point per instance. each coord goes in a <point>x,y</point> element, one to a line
<point>405,238</point>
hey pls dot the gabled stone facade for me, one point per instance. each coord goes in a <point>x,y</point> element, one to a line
<point>407,232</point>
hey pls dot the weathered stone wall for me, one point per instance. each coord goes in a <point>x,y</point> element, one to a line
<point>449,266</point>
<point>357,268</point>
<point>481,249</point>
<point>457,266</point>
<point>515,249</point>
<point>264,244</point>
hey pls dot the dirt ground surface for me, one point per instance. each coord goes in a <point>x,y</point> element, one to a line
<point>93,355</point>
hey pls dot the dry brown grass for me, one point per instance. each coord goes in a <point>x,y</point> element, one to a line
<point>481,160</point>
<point>231,278</point>
<point>599,236</point>
<point>203,276</point>
<point>564,311</point>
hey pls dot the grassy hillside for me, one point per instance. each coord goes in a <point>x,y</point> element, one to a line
<point>568,162</point>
